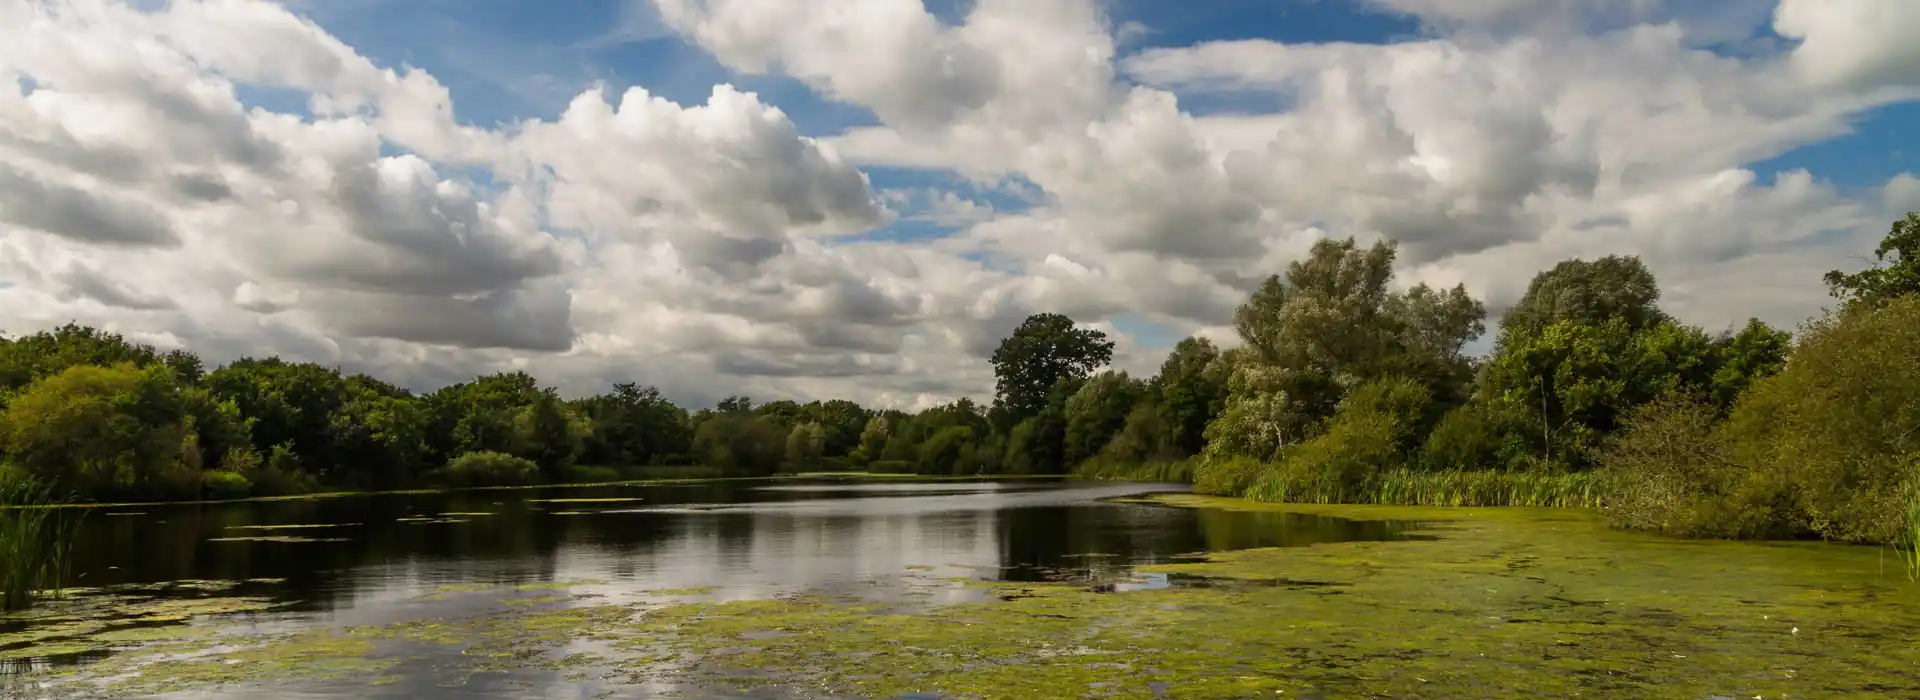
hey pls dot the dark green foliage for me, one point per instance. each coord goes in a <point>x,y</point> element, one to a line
<point>1480,435</point>
<point>1046,350</point>
<point>1096,412</point>
<point>548,436</point>
<point>1191,389</point>
<point>634,425</point>
<point>488,469</point>
<point>1586,293</point>
<point>739,442</point>
<point>1756,352</point>
<point>1896,271</point>
<point>949,451</point>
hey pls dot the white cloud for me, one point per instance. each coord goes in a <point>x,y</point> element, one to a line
<point>701,247</point>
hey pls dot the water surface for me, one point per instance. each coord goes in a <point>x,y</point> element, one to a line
<point>379,559</point>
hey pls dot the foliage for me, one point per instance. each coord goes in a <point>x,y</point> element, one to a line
<point>34,539</point>
<point>1367,436</point>
<point>1045,350</point>
<point>98,429</point>
<point>1097,412</point>
<point>1229,475</point>
<point>739,442</point>
<point>1756,352</point>
<point>1480,435</point>
<point>489,469</point>
<point>1888,279</point>
<point>1189,391</point>
<point>1827,447</point>
<point>1332,324</point>
<point>1166,472</point>
<point>1586,293</point>
<point>806,443</point>
<point>224,485</point>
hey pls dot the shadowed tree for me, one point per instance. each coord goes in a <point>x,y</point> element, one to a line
<point>1043,351</point>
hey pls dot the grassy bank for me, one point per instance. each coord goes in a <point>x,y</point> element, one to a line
<point>1180,471</point>
<point>34,541</point>
<point>1403,487</point>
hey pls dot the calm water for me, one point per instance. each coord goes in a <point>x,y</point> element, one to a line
<point>387,553</point>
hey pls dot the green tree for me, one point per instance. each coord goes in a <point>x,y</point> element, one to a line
<point>1192,390</point>
<point>739,443</point>
<point>1578,381</point>
<point>1042,352</point>
<point>949,451</point>
<point>1096,412</point>
<point>44,354</point>
<point>289,403</point>
<point>102,430</point>
<point>1586,293</point>
<point>1332,324</point>
<point>805,445</point>
<point>1896,269</point>
<point>548,435</point>
<point>1756,352</point>
<point>634,425</point>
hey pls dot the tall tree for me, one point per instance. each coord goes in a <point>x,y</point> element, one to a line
<point>1192,388</point>
<point>1096,412</point>
<point>1587,292</point>
<point>1896,270</point>
<point>1043,351</point>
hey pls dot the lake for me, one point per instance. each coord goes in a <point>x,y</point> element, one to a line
<point>378,559</point>
<point>815,588</point>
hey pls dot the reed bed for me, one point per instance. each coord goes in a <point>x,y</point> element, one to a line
<point>1403,487</point>
<point>35,540</point>
<point>1178,471</point>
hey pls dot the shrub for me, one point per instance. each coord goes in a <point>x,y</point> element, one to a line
<point>1826,447</point>
<point>225,485</point>
<point>488,469</point>
<point>1226,475</point>
<point>1478,436</point>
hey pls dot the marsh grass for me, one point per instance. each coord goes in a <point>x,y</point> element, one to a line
<point>34,540</point>
<point>1177,471</point>
<point>1403,487</point>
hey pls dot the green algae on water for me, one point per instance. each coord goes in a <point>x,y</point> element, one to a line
<point>1487,603</point>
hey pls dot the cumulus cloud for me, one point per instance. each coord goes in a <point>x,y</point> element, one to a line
<point>704,247</point>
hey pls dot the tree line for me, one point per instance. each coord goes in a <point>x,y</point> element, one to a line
<point>1342,389</point>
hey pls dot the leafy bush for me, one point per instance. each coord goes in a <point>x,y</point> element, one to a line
<point>488,469</point>
<point>1366,436</point>
<point>1826,447</point>
<point>1226,475</point>
<point>1479,436</point>
<point>223,485</point>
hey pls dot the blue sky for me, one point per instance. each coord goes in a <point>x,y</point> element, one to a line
<point>506,60</point>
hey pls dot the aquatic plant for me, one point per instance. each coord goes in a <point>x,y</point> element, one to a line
<point>34,539</point>
<point>1406,487</point>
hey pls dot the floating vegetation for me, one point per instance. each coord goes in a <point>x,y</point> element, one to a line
<point>316,526</point>
<point>465,515</point>
<point>285,539</point>
<point>122,514</point>
<point>698,590</point>
<point>584,500</point>
<point>423,520</point>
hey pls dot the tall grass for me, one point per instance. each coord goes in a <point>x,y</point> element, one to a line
<point>34,540</point>
<point>1177,471</point>
<point>1912,549</point>
<point>1404,487</point>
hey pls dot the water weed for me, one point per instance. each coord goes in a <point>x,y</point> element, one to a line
<point>34,541</point>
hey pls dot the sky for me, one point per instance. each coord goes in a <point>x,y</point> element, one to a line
<point>858,198</point>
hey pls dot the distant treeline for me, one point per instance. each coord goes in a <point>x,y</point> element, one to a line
<point>1342,390</point>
